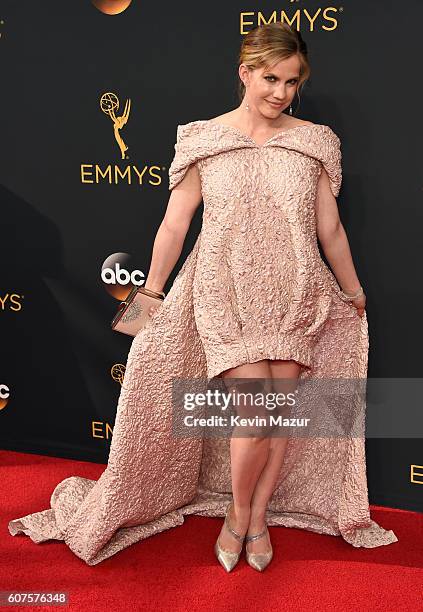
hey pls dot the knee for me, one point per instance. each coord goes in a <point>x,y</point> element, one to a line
<point>258,437</point>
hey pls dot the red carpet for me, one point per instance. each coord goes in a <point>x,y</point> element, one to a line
<point>177,571</point>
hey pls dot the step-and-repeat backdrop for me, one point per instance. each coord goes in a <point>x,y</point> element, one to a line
<point>92,93</point>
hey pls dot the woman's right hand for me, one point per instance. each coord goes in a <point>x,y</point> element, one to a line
<point>153,309</point>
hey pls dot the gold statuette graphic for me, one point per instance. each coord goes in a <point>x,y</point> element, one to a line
<point>118,372</point>
<point>109,104</point>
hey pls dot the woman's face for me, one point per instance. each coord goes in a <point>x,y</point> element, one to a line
<point>277,85</point>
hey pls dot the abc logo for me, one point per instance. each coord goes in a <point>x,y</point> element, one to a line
<point>4,391</point>
<point>121,276</point>
<point>4,395</point>
<point>118,275</point>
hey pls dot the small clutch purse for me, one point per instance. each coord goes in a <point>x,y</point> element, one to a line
<point>132,314</point>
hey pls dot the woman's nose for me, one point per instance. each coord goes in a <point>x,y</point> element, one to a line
<point>280,92</point>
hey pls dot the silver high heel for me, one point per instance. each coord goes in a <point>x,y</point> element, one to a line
<point>227,558</point>
<point>258,561</point>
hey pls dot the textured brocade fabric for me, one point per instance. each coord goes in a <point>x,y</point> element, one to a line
<point>253,287</point>
<point>261,289</point>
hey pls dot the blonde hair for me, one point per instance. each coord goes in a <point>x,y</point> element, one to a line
<point>268,44</point>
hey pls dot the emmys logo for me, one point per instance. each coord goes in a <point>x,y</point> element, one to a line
<point>10,301</point>
<point>101,430</point>
<point>109,103</point>
<point>118,372</point>
<point>416,474</point>
<point>299,19</point>
<point>112,173</point>
<point>116,276</point>
<point>4,396</point>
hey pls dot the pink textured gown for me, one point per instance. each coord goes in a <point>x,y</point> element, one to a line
<point>253,287</point>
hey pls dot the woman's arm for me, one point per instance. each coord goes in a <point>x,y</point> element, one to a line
<point>184,199</point>
<point>334,241</point>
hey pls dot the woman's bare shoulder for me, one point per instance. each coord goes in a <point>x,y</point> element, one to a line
<point>224,118</point>
<point>294,122</point>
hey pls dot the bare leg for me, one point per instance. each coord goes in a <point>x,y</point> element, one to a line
<point>248,458</point>
<point>268,479</point>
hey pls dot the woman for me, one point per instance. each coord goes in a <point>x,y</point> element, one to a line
<point>255,301</point>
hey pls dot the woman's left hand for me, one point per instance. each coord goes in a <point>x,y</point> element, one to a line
<point>360,304</point>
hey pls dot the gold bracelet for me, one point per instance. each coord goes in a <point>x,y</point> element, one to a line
<point>155,293</point>
<point>350,298</point>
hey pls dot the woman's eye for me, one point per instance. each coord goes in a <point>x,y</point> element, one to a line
<point>293,81</point>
